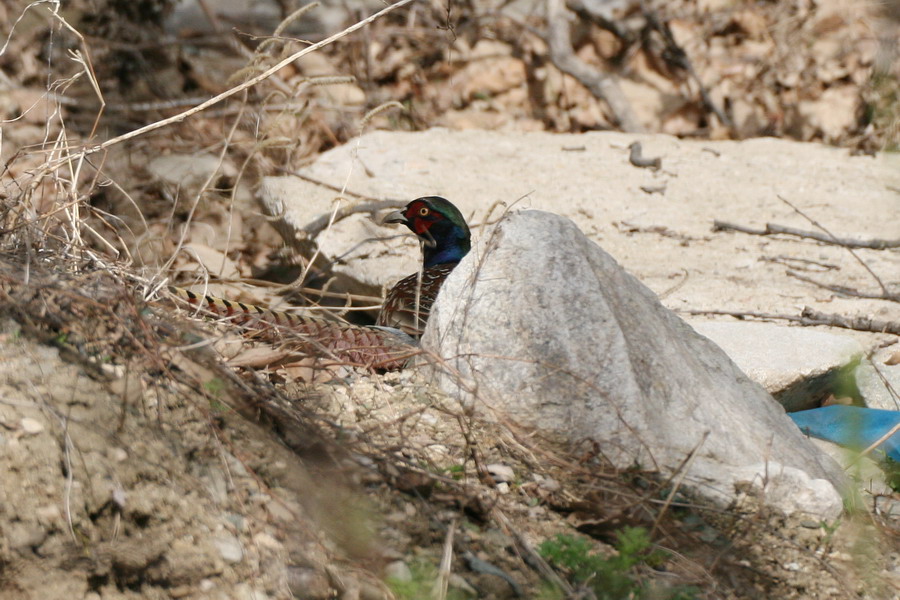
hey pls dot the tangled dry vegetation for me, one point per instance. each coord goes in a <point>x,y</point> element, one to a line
<point>165,459</point>
<point>141,465</point>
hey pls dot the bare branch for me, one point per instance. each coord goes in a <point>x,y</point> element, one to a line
<point>316,226</point>
<point>601,85</point>
<point>845,291</point>
<point>775,229</point>
<point>817,225</point>
<point>856,323</point>
<point>810,317</point>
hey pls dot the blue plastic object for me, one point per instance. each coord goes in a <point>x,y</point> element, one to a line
<point>854,427</point>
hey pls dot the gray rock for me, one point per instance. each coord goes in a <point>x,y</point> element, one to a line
<point>798,365</point>
<point>237,520</point>
<point>244,591</point>
<point>458,582</point>
<point>187,170</point>
<point>329,17</point>
<point>542,324</point>
<point>24,536</point>
<point>215,481</point>
<point>308,583</point>
<point>229,548</point>
<point>398,571</point>
<point>874,377</point>
<point>31,426</point>
<point>190,15</point>
<point>501,473</point>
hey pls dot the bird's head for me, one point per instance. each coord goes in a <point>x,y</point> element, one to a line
<point>439,225</point>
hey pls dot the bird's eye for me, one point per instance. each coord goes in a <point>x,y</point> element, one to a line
<point>423,212</point>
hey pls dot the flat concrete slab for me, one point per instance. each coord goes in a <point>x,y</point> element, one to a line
<point>800,366</point>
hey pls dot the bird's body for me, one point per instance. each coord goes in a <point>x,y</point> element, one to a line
<point>388,345</point>
<point>445,241</point>
<point>373,347</point>
<point>408,304</point>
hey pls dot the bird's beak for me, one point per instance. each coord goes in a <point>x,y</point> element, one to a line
<point>395,217</point>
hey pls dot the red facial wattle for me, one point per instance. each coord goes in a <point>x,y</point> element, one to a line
<point>421,217</point>
<point>420,226</point>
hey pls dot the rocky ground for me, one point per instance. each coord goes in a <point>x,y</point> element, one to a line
<point>135,463</point>
<point>159,475</point>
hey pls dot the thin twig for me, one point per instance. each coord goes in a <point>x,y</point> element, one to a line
<point>439,591</point>
<point>881,440</point>
<point>319,224</point>
<point>70,476</point>
<point>664,294</point>
<point>185,230</point>
<point>531,557</point>
<point>799,263</point>
<point>83,57</point>
<point>884,380</point>
<point>681,472</point>
<point>843,290</point>
<point>856,323</point>
<point>810,317</point>
<point>814,223</point>
<point>775,229</point>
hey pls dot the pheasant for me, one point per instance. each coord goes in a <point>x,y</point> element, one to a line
<point>445,241</point>
<point>379,348</point>
<point>390,343</point>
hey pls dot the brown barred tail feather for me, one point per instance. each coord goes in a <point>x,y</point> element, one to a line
<point>372,347</point>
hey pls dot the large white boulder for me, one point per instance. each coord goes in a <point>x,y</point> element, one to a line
<point>540,323</point>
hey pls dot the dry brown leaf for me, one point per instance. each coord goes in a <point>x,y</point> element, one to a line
<point>310,370</point>
<point>490,71</point>
<point>339,94</point>
<point>834,113</point>
<point>751,23</point>
<point>843,401</point>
